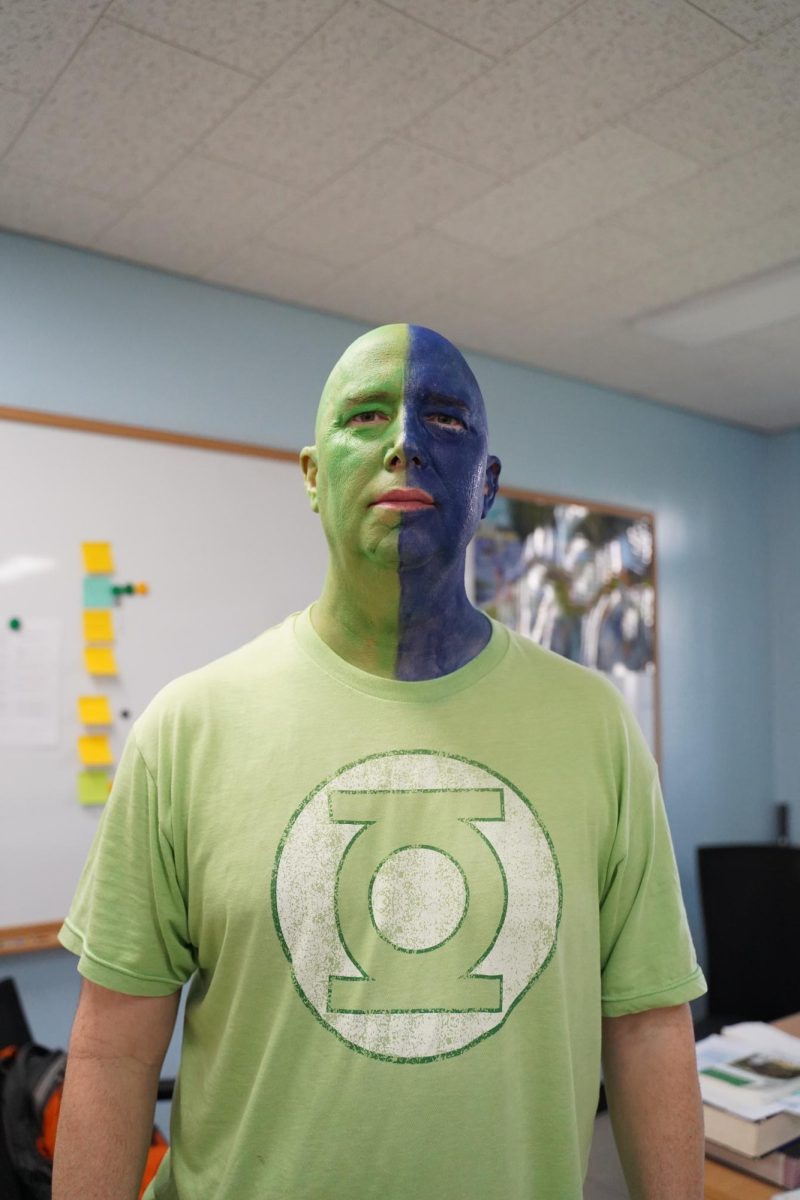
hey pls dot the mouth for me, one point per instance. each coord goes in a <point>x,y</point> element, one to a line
<point>405,499</point>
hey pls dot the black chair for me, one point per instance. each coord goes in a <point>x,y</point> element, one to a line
<point>14,1028</point>
<point>14,1031</point>
<point>751,911</point>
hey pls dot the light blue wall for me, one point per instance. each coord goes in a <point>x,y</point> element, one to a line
<point>89,336</point>
<point>784,573</point>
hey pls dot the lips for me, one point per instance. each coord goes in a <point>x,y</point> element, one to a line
<point>405,498</point>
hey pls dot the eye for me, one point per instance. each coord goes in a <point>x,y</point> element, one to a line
<point>446,420</point>
<point>370,416</point>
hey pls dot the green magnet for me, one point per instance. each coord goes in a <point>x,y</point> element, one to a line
<point>15,624</point>
<point>123,589</point>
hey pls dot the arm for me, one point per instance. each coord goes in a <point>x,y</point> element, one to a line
<point>116,1049</point>
<point>650,1071</point>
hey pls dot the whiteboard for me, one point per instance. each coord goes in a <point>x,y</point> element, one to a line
<point>228,545</point>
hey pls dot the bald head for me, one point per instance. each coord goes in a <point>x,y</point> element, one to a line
<point>395,354</point>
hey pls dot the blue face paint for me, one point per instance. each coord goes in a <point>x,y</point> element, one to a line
<point>445,443</point>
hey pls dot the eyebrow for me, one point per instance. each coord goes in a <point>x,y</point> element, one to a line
<point>365,398</point>
<point>443,398</point>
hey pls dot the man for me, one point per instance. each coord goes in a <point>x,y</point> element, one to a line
<point>416,867</point>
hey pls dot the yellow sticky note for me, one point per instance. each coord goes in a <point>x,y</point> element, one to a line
<point>94,710</point>
<point>98,625</point>
<point>100,660</point>
<point>97,558</point>
<point>93,787</point>
<point>94,750</point>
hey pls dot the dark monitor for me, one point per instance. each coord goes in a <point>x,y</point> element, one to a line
<point>751,911</point>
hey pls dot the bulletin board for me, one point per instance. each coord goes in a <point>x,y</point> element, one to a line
<point>223,536</point>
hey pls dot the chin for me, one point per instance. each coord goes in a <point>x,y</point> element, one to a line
<point>416,557</point>
<point>385,551</point>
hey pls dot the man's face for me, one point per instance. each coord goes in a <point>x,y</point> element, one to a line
<point>402,474</point>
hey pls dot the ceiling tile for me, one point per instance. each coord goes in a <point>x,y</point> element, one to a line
<point>258,267</point>
<point>251,35</point>
<point>494,26</point>
<point>608,171</point>
<point>123,112</point>
<point>783,338</point>
<point>589,316</point>
<point>580,316</point>
<point>751,18</point>
<point>589,68</point>
<point>740,192</point>
<point>367,72</point>
<point>38,38</point>
<point>471,326</point>
<point>397,189</point>
<point>747,100</point>
<point>554,273</point>
<point>14,111</point>
<point>195,214</point>
<point>727,259</point>
<point>392,285</point>
<point>30,204</point>
<point>704,379</point>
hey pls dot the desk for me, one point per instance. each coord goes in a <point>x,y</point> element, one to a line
<point>722,1183</point>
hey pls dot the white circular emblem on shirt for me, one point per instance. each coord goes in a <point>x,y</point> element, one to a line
<point>417,897</point>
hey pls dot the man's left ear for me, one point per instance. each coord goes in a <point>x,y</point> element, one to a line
<point>492,483</point>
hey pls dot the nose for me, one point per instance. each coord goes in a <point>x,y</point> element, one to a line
<point>404,449</point>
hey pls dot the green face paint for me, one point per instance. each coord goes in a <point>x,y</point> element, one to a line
<point>360,423</point>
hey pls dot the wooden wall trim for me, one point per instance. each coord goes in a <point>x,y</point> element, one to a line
<point>546,498</point>
<point>144,434</point>
<point>21,939</point>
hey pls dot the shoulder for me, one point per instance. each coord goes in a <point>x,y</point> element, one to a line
<point>198,700</point>
<point>561,676</point>
<point>578,698</point>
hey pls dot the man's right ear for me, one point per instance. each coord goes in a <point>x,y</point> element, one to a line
<point>308,465</point>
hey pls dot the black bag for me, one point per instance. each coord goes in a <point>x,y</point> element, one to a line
<point>30,1078</point>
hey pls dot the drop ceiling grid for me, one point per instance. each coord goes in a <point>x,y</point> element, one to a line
<point>254,36</point>
<point>521,172</point>
<point>38,38</point>
<point>123,112</point>
<point>592,67</point>
<point>200,210</point>
<point>750,18</point>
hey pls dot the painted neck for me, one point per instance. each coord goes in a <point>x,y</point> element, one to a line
<point>412,626</point>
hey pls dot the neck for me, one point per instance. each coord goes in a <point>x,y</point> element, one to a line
<point>408,625</point>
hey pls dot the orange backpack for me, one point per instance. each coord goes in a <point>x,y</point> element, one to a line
<point>31,1083</point>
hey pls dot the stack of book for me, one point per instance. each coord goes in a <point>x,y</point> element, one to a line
<point>750,1081</point>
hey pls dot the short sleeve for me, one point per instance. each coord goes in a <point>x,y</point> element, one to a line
<point>647,956</point>
<point>128,920</point>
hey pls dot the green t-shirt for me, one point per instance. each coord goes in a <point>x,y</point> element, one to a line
<point>403,908</point>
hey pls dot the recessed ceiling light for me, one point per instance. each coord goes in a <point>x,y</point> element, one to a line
<point>742,307</point>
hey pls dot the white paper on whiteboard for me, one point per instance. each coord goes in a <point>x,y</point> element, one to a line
<point>29,683</point>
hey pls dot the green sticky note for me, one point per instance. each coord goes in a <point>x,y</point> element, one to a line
<point>98,592</point>
<point>93,787</point>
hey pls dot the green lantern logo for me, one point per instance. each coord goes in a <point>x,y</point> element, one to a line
<point>417,897</point>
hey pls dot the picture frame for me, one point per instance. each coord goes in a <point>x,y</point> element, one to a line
<point>578,577</point>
